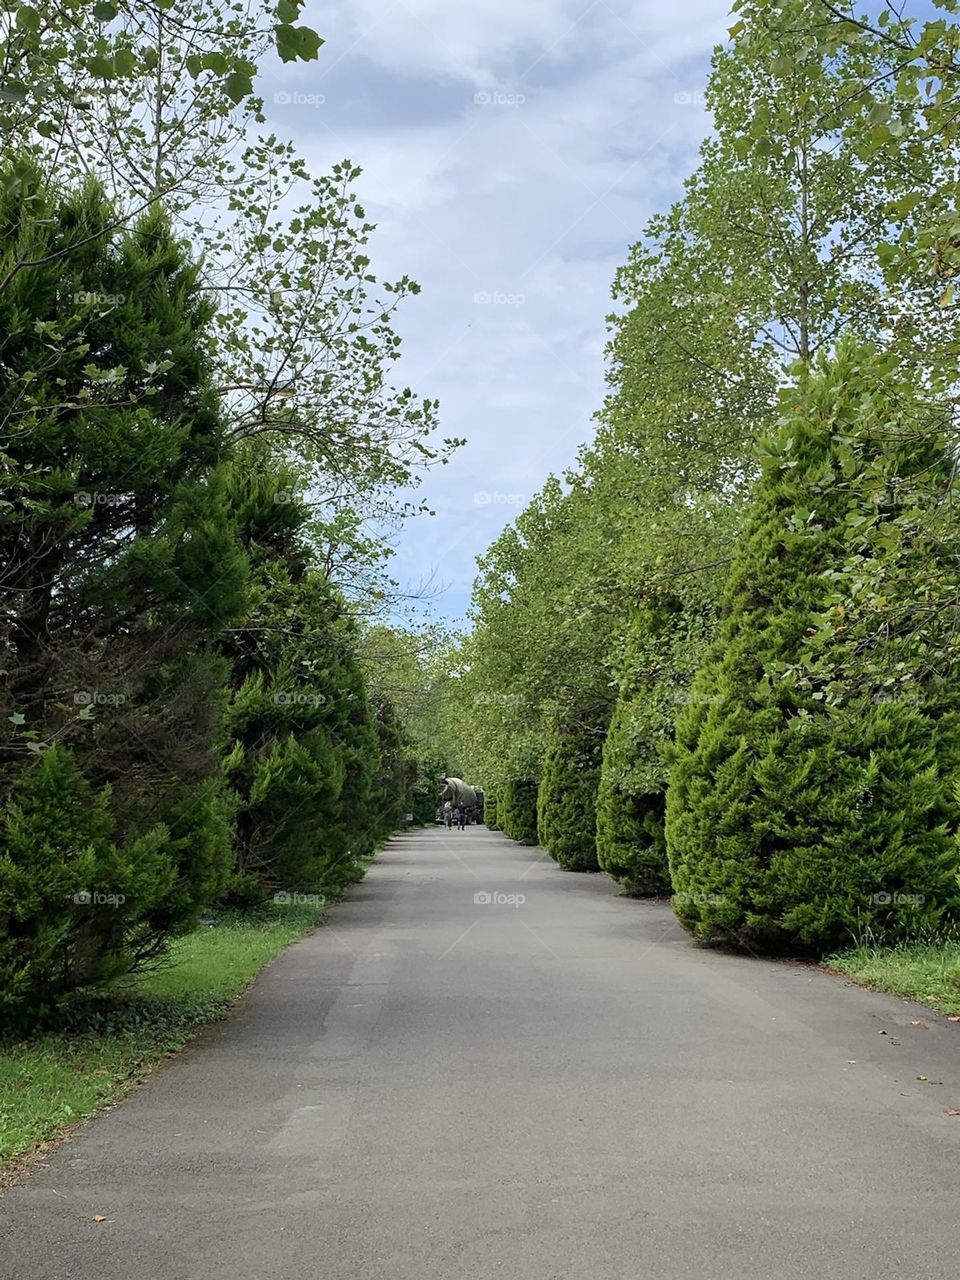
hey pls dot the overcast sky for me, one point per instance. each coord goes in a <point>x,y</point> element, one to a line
<point>512,151</point>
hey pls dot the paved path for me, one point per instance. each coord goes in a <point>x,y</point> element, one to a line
<point>432,1087</point>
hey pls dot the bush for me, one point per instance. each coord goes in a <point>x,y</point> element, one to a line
<point>812,792</point>
<point>77,904</point>
<point>566,801</point>
<point>631,796</point>
<point>517,810</point>
<point>490,819</point>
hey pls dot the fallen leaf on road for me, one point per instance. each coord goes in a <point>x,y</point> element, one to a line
<point>883,1033</point>
<point>894,1040</point>
<point>953,1017</point>
<point>953,1111</point>
<point>921,1077</point>
<point>99,1217</point>
<point>923,1025</point>
<point>851,1062</point>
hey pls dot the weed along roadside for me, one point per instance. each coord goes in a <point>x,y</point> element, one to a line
<point>924,970</point>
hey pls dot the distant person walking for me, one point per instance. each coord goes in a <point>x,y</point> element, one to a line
<point>461,815</point>
<point>448,814</point>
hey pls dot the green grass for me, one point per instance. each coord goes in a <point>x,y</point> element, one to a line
<point>105,1043</point>
<point>927,970</point>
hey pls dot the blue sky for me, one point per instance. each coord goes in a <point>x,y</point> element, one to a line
<point>512,150</point>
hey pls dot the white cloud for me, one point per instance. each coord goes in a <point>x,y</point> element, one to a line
<point>533,204</point>
<point>474,41</point>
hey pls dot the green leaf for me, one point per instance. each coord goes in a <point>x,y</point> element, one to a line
<point>238,86</point>
<point>297,43</point>
<point>28,19</point>
<point>216,62</point>
<point>101,67</point>
<point>13,91</point>
<point>124,62</point>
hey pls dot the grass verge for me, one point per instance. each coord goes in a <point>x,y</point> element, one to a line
<point>926,970</point>
<point>104,1043</point>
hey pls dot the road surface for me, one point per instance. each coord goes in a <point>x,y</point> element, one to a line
<point>551,1081</point>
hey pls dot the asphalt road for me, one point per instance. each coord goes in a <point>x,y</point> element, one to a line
<point>563,1086</point>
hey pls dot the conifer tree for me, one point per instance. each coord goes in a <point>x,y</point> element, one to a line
<point>305,753</point>
<point>566,797</point>
<point>812,793</point>
<point>118,567</point>
<point>517,809</point>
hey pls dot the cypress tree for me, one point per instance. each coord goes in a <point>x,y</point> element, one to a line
<point>490,816</point>
<point>120,566</point>
<point>631,797</point>
<point>812,793</point>
<point>566,799</point>
<point>517,809</point>
<point>305,751</point>
<point>665,642</point>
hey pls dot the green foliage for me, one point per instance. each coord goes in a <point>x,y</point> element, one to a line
<point>183,486</point>
<point>517,809</point>
<point>47,47</point>
<point>664,648</point>
<point>304,748</point>
<point>546,611</point>
<point>412,677</point>
<point>566,800</point>
<point>120,565</point>
<point>161,104</point>
<point>491,819</point>
<point>897,115</point>
<point>812,792</point>
<point>631,842</point>
<point>76,905</point>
